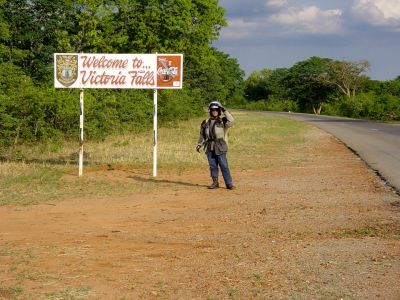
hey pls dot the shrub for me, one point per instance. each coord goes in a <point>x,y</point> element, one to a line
<point>33,113</point>
<point>272,104</point>
<point>383,107</point>
<point>275,104</point>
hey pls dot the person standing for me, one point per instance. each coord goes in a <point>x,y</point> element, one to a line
<point>213,138</point>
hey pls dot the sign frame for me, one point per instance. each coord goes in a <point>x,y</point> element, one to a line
<point>118,71</point>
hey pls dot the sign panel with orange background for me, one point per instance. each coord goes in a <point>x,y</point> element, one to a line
<point>169,71</point>
<point>118,71</point>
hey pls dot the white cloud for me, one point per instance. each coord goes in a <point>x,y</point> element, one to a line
<point>378,12</point>
<point>280,33</point>
<point>308,19</point>
<point>284,18</point>
<point>276,3</point>
<point>239,28</point>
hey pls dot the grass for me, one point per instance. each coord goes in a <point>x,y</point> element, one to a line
<point>387,231</point>
<point>20,259</point>
<point>69,293</point>
<point>10,292</point>
<point>231,291</point>
<point>24,184</point>
<point>45,173</point>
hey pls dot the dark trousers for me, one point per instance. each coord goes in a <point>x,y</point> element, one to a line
<point>219,160</point>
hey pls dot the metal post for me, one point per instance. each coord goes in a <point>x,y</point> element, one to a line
<point>81,133</point>
<point>155,133</point>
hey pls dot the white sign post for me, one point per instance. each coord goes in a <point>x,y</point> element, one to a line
<point>81,114</point>
<point>155,99</point>
<point>118,71</point>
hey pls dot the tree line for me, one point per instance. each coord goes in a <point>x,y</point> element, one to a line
<point>323,85</point>
<point>31,31</point>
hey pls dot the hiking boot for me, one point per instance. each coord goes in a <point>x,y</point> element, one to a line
<point>230,187</point>
<point>214,184</point>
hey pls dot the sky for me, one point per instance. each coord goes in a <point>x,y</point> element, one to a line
<point>279,33</point>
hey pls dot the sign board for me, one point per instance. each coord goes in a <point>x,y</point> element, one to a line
<point>118,71</point>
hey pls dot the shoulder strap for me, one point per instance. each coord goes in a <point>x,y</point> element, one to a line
<point>212,132</point>
<point>203,128</point>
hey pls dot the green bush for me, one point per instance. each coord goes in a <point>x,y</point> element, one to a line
<point>236,101</point>
<point>24,108</point>
<point>392,108</point>
<point>31,110</point>
<point>385,107</point>
<point>178,104</point>
<point>272,104</point>
<point>32,113</point>
<point>256,105</point>
<point>275,104</point>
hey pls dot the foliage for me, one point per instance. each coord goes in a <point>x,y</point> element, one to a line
<point>257,85</point>
<point>297,84</point>
<point>230,74</point>
<point>323,85</point>
<point>32,30</point>
<point>23,107</point>
<point>48,173</point>
<point>346,76</point>
<point>273,104</point>
<point>384,107</point>
<point>29,113</point>
<point>303,86</point>
<point>32,25</point>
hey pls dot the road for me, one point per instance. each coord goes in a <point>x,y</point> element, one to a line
<point>378,144</point>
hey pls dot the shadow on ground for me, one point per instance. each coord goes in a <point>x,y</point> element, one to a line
<point>154,180</point>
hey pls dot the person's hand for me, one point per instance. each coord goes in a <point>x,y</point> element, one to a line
<point>222,108</point>
<point>198,147</point>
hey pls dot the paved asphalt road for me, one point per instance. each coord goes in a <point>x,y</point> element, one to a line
<point>378,144</point>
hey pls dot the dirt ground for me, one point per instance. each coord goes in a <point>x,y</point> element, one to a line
<point>321,227</point>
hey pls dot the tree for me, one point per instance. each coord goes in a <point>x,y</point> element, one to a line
<point>256,85</point>
<point>230,73</point>
<point>276,83</point>
<point>393,86</point>
<point>120,26</point>
<point>31,39</point>
<point>4,33</point>
<point>345,75</point>
<point>32,30</point>
<point>304,86</point>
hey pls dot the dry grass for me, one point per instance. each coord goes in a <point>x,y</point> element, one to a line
<point>47,174</point>
<point>253,135</point>
<point>316,225</point>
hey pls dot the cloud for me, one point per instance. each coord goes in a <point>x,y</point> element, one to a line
<point>378,12</point>
<point>276,3</point>
<point>282,18</point>
<point>278,33</point>
<point>308,19</point>
<point>239,28</point>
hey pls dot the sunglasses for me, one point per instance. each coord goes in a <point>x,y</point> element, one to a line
<point>214,109</point>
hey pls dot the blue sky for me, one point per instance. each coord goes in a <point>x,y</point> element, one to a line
<point>278,33</point>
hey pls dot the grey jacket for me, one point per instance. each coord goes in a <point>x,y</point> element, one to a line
<point>213,135</point>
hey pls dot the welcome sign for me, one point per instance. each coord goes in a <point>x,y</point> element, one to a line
<point>118,71</point>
